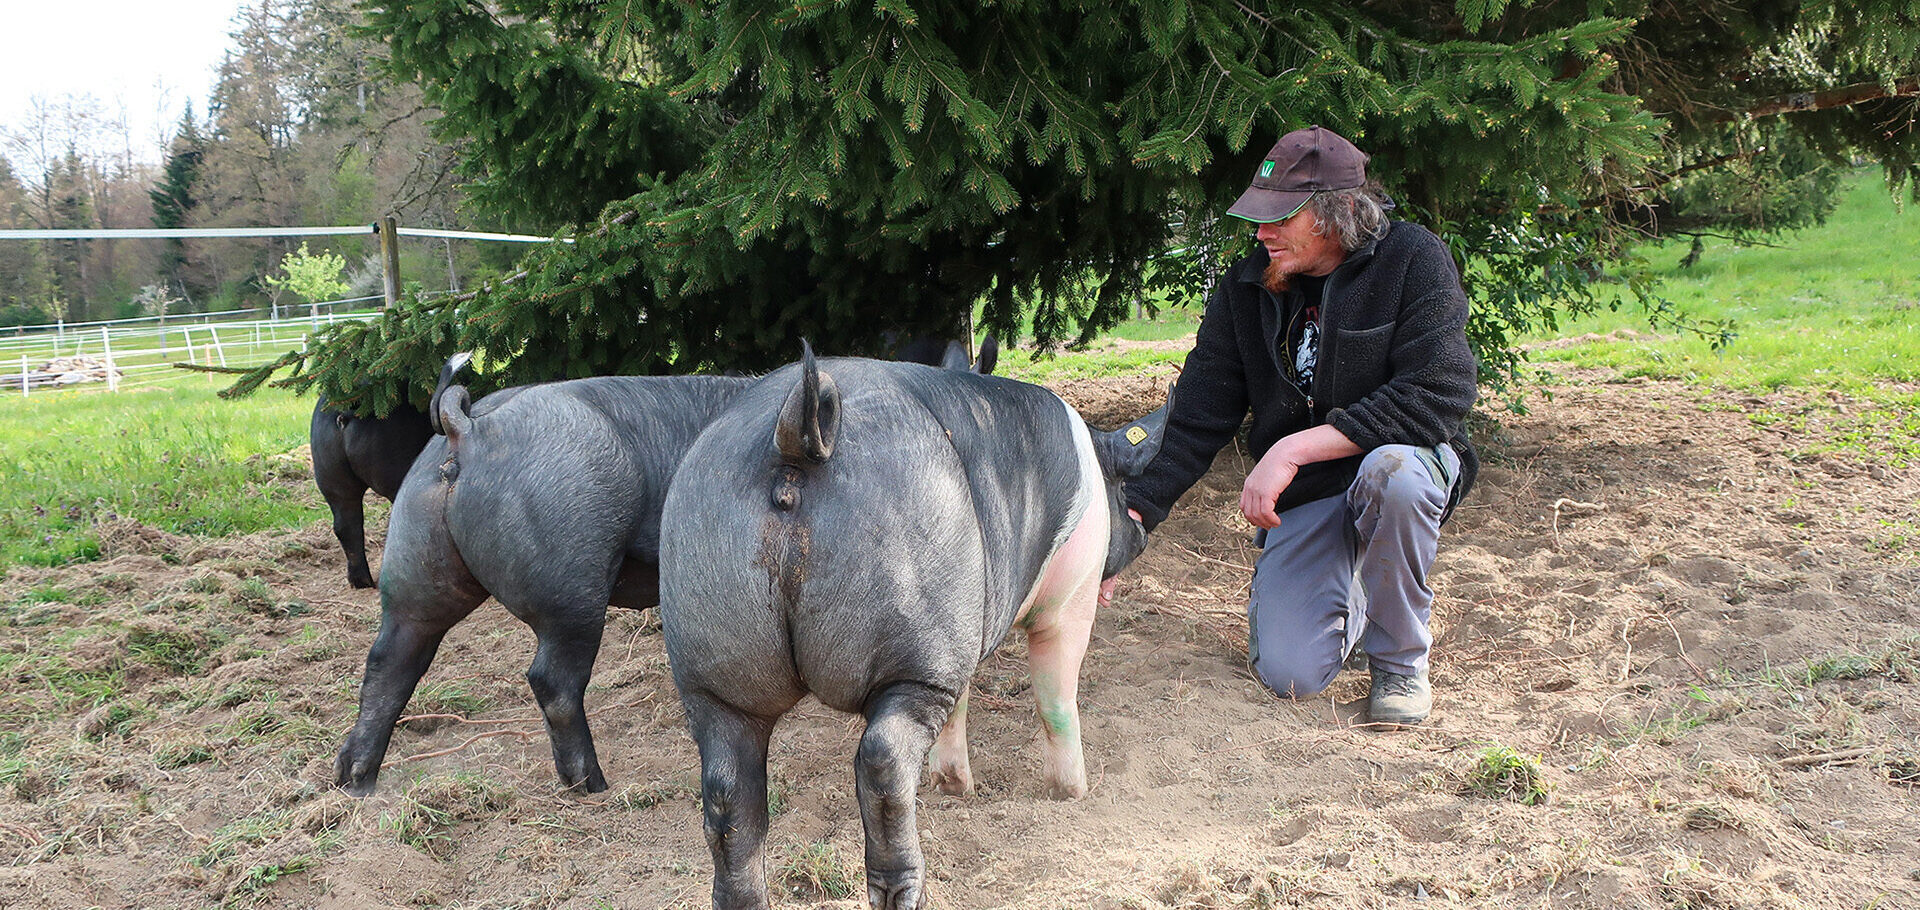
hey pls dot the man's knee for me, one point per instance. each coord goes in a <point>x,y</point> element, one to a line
<point>1396,478</point>
<point>1296,679</point>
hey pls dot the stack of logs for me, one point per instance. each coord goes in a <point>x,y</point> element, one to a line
<point>61,371</point>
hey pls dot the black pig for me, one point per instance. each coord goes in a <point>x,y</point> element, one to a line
<point>546,497</point>
<point>354,454</point>
<point>867,532</point>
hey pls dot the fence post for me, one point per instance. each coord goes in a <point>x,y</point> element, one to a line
<point>389,230</point>
<point>218,348</point>
<point>23,376</point>
<point>106,345</point>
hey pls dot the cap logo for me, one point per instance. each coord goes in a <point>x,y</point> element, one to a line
<point>1266,168</point>
<point>1136,435</point>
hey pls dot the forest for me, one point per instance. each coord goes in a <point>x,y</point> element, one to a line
<point>301,128</point>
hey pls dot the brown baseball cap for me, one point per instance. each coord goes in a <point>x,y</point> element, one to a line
<point>1302,163</point>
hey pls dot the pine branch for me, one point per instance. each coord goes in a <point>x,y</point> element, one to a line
<point>1797,102</point>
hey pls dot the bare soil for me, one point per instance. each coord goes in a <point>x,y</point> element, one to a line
<point>1692,624</point>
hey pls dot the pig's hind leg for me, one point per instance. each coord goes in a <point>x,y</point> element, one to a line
<point>424,590</point>
<point>952,772</point>
<point>569,630</point>
<point>733,794</point>
<point>409,637</point>
<point>344,494</point>
<point>901,723</point>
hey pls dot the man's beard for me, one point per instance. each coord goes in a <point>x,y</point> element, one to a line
<point>1274,279</point>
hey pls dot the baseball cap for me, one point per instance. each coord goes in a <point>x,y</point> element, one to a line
<point>1302,163</point>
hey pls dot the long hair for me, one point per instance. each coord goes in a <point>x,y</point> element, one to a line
<point>1352,217</point>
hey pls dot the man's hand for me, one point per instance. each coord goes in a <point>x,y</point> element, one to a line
<point>1276,469</point>
<point>1113,584</point>
<point>1265,483</point>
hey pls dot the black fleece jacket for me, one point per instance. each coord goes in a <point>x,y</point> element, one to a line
<point>1394,368</point>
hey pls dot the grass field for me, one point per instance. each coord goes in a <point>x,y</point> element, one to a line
<point>1836,306</point>
<point>175,457</point>
<point>1832,306</point>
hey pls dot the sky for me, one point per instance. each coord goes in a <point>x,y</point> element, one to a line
<point>148,58</point>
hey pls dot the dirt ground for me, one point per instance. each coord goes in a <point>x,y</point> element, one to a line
<point>1663,608</point>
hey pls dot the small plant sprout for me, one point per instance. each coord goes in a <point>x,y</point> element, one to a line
<point>1502,772</point>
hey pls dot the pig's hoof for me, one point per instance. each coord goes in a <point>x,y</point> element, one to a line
<point>353,780</point>
<point>895,890</point>
<point>591,782</point>
<point>953,781</point>
<point>1066,789</point>
<point>360,579</point>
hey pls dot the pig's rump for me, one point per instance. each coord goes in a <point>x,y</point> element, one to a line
<point>905,556</point>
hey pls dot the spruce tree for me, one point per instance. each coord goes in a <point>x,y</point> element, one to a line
<point>174,198</point>
<point>762,170</point>
<point>67,259</point>
<point>22,265</point>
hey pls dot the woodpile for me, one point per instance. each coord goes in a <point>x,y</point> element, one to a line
<point>62,371</point>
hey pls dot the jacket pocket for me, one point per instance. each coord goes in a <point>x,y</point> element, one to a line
<point>1359,362</point>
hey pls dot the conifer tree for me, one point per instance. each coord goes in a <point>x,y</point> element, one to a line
<point>22,266</point>
<point>839,169</point>
<point>67,259</point>
<point>174,198</point>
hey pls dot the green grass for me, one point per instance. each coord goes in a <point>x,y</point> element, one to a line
<point>1096,363</point>
<point>177,458</point>
<point>1110,355</point>
<point>1502,772</point>
<point>816,871</point>
<point>1833,306</point>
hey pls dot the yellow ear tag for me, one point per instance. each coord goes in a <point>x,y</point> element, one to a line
<point>1136,435</point>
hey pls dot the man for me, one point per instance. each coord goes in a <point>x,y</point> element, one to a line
<point>1344,334</point>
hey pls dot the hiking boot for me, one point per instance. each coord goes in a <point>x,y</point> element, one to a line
<point>1399,699</point>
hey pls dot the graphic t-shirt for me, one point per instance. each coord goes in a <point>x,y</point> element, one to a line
<point>1303,340</point>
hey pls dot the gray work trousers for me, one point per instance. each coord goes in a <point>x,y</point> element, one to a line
<point>1351,570</point>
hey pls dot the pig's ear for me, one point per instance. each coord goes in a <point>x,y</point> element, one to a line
<point>955,358</point>
<point>989,355</point>
<point>1127,451</point>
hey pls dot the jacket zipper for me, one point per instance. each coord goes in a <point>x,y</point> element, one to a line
<point>1293,370</point>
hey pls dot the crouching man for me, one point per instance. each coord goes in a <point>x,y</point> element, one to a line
<point>1344,334</point>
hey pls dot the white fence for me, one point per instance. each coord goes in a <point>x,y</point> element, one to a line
<point>133,353</point>
<point>140,353</point>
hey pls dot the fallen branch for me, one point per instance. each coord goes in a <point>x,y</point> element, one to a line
<point>1571,505</point>
<point>1682,646</point>
<point>1195,555</point>
<point>1844,756</point>
<point>523,734</point>
<point>458,719</point>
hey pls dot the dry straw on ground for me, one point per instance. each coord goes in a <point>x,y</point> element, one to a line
<point>1703,630</point>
